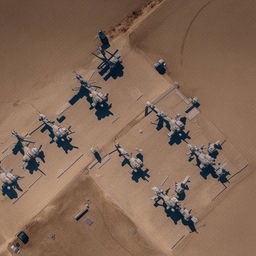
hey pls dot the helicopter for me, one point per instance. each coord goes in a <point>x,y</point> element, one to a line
<point>103,39</point>
<point>98,99</point>
<point>29,154</point>
<point>169,202</point>
<point>135,163</point>
<point>221,172</point>
<point>60,134</point>
<point>111,63</point>
<point>180,187</point>
<point>8,179</point>
<point>175,125</point>
<point>203,158</point>
<point>161,116</point>
<point>213,148</point>
<point>187,216</point>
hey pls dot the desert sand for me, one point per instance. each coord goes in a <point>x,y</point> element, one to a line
<point>209,49</point>
<point>111,231</point>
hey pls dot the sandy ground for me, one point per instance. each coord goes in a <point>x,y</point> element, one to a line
<point>37,75</point>
<point>84,121</point>
<point>168,161</point>
<point>209,48</point>
<point>111,233</point>
<point>42,43</point>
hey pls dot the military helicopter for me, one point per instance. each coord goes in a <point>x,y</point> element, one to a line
<point>169,202</point>
<point>182,186</point>
<point>176,126</point>
<point>204,159</point>
<point>155,109</point>
<point>111,62</point>
<point>187,216</point>
<point>161,116</point>
<point>213,147</point>
<point>135,163</point>
<point>98,98</point>
<point>60,133</point>
<point>103,39</point>
<point>193,149</point>
<point>8,179</point>
<point>221,171</point>
<point>29,154</point>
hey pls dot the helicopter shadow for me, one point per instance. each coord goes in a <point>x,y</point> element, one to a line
<point>175,215</point>
<point>196,105</point>
<point>97,157</point>
<point>190,224</point>
<point>102,112</point>
<point>161,123</point>
<point>114,72</point>
<point>182,195</point>
<point>140,156</point>
<point>224,179</point>
<point>66,145</point>
<point>178,137</point>
<point>10,191</point>
<point>81,93</point>
<point>18,148</point>
<point>208,170</point>
<point>183,120</point>
<point>214,154</point>
<point>33,166</point>
<point>41,156</point>
<point>140,174</point>
<point>126,161</point>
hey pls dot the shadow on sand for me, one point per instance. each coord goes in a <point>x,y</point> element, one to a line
<point>10,190</point>
<point>178,137</point>
<point>65,144</point>
<point>114,72</point>
<point>101,111</point>
<point>175,216</point>
<point>140,174</point>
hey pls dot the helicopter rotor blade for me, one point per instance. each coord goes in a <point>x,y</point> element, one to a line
<point>76,89</point>
<point>95,86</point>
<point>103,59</point>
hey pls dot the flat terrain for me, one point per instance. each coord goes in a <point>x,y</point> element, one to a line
<point>42,43</point>
<point>209,49</point>
<point>127,101</point>
<point>111,232</point>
